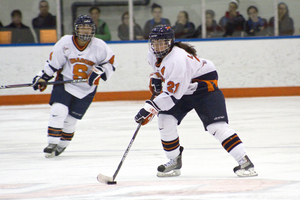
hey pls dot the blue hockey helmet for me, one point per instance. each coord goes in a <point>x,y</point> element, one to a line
<point>82,21</point>
<point>161,40</point>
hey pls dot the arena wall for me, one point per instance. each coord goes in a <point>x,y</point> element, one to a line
<point>246,67</point>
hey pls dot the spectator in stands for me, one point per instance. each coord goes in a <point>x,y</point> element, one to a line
<point>286,23</point>
<point>183,28</point>
<point>156,11</point>
<point>102,29</point>
<point>123,29</point>
<point>255,25</point>
<point>20,32</point>
<point>233,21</point>
<point>212,28</point>
<point>1,25</point>
<point>44,20</point>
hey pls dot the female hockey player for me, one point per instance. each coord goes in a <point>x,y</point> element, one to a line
<point>189,83</point>
<point>78,56</point>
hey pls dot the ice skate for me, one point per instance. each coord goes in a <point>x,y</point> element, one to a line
<point>171,168</point>
<point>50,150</point>
<point>246,169</point>
<point>59,150</point>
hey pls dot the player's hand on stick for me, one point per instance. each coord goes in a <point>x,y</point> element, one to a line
<point>95,75</point>
<point>40,78</point>
<point>155,84</point>
<point>147,113</point>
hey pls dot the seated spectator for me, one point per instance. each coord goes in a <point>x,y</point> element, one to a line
<point>212,28</point>
<point>255,25</point>
<point>20,32</point>
<point>156,11</point>
<point>183,28</point>
<point>44,20</point>
<point>102,29</point>
<point>233,21</point>
<point>123,29</point>
<point>286,23</point>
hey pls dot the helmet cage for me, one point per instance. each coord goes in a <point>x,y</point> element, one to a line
<point>161,35</point>
<point>81,22</point>
<point>160,47</point>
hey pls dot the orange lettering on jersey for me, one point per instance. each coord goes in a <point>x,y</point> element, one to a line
<point>72,60</point>
<point>172,87</point>
<point>112,60</point>
<point>81,60</point>
<point>192,57</point>
<point>197,58</point>
<point>162,71</point>
<point>50,56</point>
<point>159,76</point>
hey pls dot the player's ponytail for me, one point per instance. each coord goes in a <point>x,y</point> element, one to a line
<point>187,47</point>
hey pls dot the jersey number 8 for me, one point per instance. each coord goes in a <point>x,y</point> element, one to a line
<point>79,71</point>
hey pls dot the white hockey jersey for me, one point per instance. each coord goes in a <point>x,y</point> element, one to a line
<point>178,70</point>
<point>75,62</point>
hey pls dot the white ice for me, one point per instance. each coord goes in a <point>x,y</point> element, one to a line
<point>269,128</point>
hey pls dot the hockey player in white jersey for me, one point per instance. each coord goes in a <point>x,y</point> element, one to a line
<point>183,82</point>
<point>78,56</point>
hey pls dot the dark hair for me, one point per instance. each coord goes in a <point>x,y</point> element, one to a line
<point>187,47</point>
<point>125,13</point>
<point>210,12</point>
<point>94,8</point>
<point>282,3</point>
<point>250,7</point>
<point>16,12</point>
<point>154,5</point>
<point>185,14</point>
<point>44,1</point>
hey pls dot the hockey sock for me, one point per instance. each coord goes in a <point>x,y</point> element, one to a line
<point>234,146</point>
<point>169,135</point>
<point>65,139</point>
<point>228,138</point>
<point>54,135</point>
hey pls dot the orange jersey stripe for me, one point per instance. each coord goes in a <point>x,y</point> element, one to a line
<point>229,140</point>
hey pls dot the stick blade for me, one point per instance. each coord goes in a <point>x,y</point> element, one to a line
<point>106,179</point>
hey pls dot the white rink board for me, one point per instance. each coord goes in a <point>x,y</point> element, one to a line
<point>240,63</point>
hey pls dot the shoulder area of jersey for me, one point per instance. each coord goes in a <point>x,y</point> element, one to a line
<point>65,38</point>
<point>98,40</point>
<point>177,53</point>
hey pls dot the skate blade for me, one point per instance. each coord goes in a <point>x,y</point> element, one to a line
<point>50,155</point>
<point>175,172</point>
<point>246,172</point>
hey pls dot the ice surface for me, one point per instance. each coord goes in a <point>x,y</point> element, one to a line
<point>269,128</point>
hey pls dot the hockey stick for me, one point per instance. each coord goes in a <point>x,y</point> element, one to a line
<point>111,180</point>
<point>43,83</point>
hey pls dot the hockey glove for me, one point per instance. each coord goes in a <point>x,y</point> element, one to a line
<point>155,84</point>
<point>40,78</point>
<point>147,113</point>
<point>95,75</point>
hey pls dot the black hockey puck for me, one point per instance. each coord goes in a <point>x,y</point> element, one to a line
<point>111,182</point>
